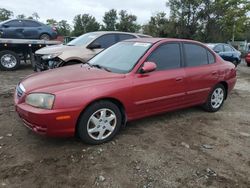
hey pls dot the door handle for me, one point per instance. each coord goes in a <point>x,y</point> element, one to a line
<point>179,79</point>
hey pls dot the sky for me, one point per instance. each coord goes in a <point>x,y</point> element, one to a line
<point>67,9</point>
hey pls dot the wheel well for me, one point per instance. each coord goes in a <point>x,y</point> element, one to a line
<point>73,60</point>
<point>44,33</point>
<point>225,86</point>
<point>115,101</point>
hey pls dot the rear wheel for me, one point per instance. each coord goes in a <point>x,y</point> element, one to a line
<point>99,123</point>
<point>215,99</point>
<point>9,60</point>
<point>45,37</point>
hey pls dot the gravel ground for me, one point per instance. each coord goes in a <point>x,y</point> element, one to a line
<point>185,148</point>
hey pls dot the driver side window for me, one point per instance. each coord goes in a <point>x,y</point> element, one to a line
<point>166,56</point>
<point>106,41</point>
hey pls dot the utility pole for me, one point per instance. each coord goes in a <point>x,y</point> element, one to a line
<point>234,27</point>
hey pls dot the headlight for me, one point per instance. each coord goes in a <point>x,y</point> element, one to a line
<point>50,56</point>
<point>40,100</point>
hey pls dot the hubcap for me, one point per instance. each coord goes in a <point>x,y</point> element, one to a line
<point>101,124</point>
<point>217,98</point>
<point>8,61</point>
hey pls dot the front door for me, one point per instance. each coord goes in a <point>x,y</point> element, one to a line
<point>164,88</point>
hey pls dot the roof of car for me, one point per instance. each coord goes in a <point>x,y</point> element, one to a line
<point>155,40</point>
<point>120,32</point>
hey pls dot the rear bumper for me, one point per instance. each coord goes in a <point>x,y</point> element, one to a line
<point>46,122</point>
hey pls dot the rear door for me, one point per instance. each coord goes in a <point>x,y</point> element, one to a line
<point>164,88</point>
<point>201,72</point>
<point>31,29</point>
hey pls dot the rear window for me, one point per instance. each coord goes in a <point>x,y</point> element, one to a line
<point>196,55</point>
<point>122,37</point>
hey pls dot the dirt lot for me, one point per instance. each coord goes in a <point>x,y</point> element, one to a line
<point>187,148</point>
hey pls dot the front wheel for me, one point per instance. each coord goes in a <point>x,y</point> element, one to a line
<point>9,60</point>
<point>215,99</point>
<point>99,123</point>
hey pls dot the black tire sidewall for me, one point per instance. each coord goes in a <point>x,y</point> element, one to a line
<point>83,120</point>
<point>2,53</point>
<point>208,106</point>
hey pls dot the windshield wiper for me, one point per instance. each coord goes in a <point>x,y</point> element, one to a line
<point>99,67</point>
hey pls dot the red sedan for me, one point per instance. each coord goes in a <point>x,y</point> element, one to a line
<point>130,80</point>
<point>247,59</point>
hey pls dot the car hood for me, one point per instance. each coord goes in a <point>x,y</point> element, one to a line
<point>57,49</point>
<point>66,78</point>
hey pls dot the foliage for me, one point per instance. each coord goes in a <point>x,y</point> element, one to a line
<point>110,20</point>
<point>85,23</point>
<point>127,22</point>
<point>63,28</point>
<point>5,14</point>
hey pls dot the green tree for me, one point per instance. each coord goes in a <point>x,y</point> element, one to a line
<point>186,15</point>
<point>20,16</point>
<point>109,20</point>
<point>51,22</point>
<point>127,22</point>
<point>158,26</point>
<point>35,16</point>
<point>5,14</point>
<point>85,23</point>
<point>63,28</point>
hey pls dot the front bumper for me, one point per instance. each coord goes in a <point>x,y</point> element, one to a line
<point>42,65</point>
<point>46,122</point>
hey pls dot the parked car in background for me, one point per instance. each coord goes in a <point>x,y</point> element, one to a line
<point>247,59</point>
<point>80,49</point>
<point>130,80</point>
<point>26,29</point>
<point>227,52</point>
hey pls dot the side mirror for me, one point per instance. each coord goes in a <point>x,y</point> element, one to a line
<point>148,67</point>
<point>94,46</point>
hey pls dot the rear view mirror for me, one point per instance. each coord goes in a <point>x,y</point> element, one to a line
<point>148,67</point>
<point>94,46</point>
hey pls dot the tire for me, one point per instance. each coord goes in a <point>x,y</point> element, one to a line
<point>99,123</point>
<point>44,37</point>
<point>214,103</point>
<point>248,64</point>
<point>9,60</point>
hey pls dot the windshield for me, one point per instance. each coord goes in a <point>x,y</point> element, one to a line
<point>121,57</point>
<point>83,39</point>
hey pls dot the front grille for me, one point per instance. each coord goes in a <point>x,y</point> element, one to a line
<point>19,91</point>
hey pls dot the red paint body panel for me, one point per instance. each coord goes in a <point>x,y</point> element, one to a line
<point>77,86</point>
<point>247,58</point>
